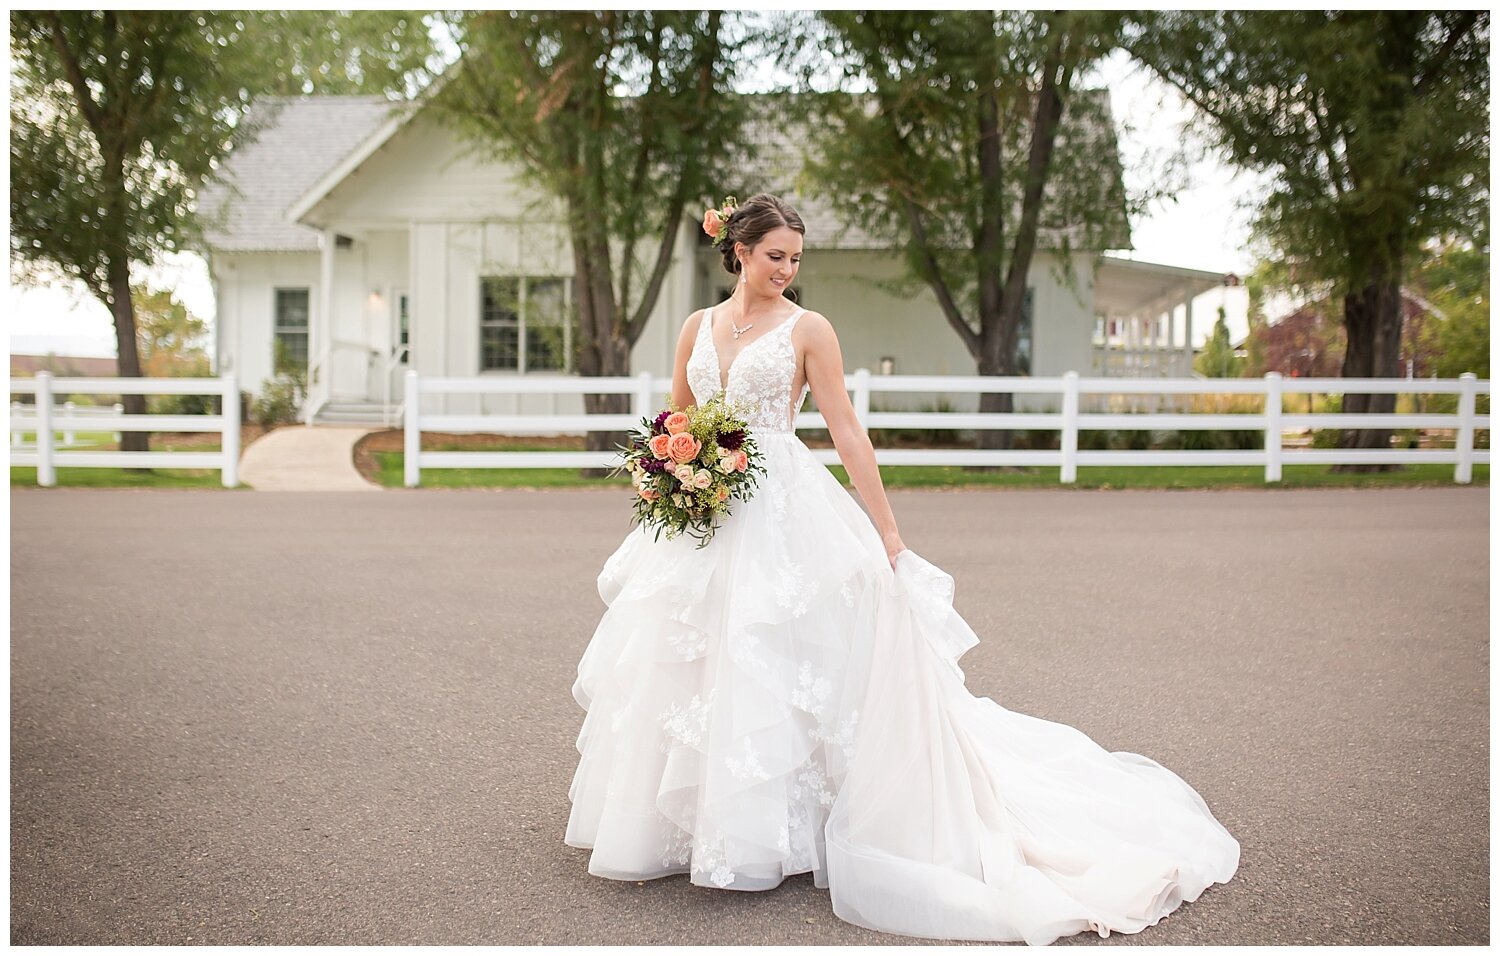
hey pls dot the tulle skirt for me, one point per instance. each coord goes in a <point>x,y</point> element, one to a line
<point>782,702</point>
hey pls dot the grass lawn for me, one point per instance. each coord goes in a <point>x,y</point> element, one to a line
<point>390,466</point>
<point>120,478</point>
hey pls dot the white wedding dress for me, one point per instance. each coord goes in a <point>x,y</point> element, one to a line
<point>782,701</point>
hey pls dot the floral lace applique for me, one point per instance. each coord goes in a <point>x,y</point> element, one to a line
<point>749,768</point>
<point>811,692</point>
<point>841,737</point>
<point>690,643</point>
<point>812,777</point>
<point>709,861</point>
<point>745,650</point>
<point>688,724</point>
<point>678,848</point>
<point>761,374</point>
<point>793,588</point>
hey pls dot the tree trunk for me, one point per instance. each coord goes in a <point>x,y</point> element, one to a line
<point>604,352</point>
<point>129,362</point>
<point>1372,319</point>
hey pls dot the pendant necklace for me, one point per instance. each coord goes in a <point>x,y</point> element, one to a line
<point>737,329</point>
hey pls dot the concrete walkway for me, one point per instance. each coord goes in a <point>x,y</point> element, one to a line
<point>305,458</point>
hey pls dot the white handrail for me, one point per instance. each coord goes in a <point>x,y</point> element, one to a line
<point>390,364</point>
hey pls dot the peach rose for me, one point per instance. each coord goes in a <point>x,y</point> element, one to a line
<point>722,493</point>
<point>648,494</point>
<point>711,223</point>
<point>676,422</point>
<point>658,445</point>
<point>683,447</point>
<point>702,479</point>
<point>741,461</point>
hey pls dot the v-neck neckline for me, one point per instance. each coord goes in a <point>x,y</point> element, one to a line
<point>724,375</point>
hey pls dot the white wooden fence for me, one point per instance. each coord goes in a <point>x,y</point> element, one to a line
<point>44,420</point>
<point>1271,420</point>
<point>102,418</point>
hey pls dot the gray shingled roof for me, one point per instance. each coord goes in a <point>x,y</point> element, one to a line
<point>304,137</point>
<point>299,140</point>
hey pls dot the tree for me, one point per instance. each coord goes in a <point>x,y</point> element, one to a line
<point>1375,127</point>
<point>619,115</point>
<point>168,335</point>
<point>1217,360</point>
<point>116,118</point>
<point>1456,280</point>
<point>959,157</point>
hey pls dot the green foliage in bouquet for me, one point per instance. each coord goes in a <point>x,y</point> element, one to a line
<point>688,465</point>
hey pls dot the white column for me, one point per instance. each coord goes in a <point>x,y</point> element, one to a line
<point>1187,338</point>
<point>324,316</point>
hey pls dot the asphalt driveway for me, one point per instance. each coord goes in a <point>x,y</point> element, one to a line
<point>332,717</point>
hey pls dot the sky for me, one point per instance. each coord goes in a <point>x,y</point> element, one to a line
<point>1203,228</point>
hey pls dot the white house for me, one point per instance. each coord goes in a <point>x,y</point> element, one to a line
<point>366,238</point>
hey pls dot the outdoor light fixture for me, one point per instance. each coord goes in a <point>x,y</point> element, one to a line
<point>887,365</point>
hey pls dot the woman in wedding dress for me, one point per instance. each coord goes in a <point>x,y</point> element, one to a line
<point>788,698</point>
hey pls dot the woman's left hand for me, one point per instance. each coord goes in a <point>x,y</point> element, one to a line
<point>893,547</point>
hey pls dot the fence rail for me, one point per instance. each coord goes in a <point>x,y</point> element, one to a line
<point>1270,420</point>
<point>43,419</point>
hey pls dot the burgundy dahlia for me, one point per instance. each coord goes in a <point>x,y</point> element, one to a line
<point>732,440</point>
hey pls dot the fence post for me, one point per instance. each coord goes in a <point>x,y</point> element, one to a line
<point>1069,437</point>
<point>68,409</point>
<point>229,441</point>
<point>643,395</point>
<point>15,433</point>
<point>412,410</point>
<point>119,408</point>
<point>862,397</point>
<point>1273,426</point>
<point>46,473</point>
<point>1464,473</point>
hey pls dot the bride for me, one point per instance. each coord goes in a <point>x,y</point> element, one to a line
<point>788,698</point>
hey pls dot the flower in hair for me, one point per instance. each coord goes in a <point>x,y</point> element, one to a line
<point>714,220</point>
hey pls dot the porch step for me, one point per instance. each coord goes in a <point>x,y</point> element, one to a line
<point>353,413</point>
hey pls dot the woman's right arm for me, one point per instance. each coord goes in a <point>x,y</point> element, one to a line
<point>682,393</point>
<point>823,363</point>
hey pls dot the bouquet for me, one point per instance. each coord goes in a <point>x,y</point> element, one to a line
<point>688,465</point>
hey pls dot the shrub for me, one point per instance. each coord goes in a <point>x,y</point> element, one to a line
<point>281,398</point>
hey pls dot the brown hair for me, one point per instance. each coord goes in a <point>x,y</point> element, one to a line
<point>750,222</point>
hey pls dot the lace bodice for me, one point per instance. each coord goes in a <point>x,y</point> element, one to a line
<point>760,376</point>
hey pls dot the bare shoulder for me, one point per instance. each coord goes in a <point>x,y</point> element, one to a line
<point>815,323</point>
<point>690,325</point>
<point>814,327</point>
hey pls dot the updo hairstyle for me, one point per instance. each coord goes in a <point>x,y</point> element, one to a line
<point>750,222</point>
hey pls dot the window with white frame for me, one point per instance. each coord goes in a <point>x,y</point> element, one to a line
<point>290,324</point>
<point>526,324</point>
